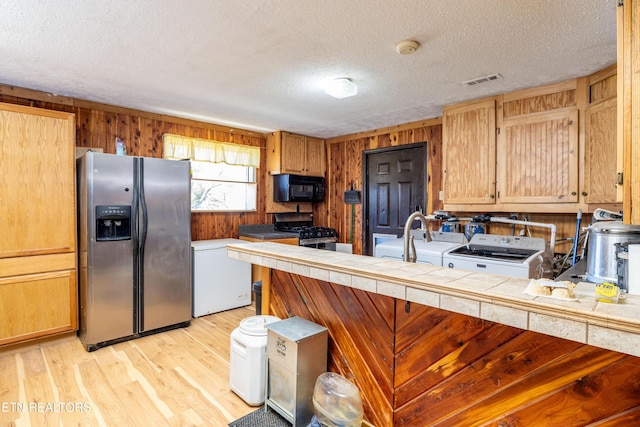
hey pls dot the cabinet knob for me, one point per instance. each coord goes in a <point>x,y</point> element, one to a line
<point>584,193</point>
<point>493,196</point>
<point>573,193</point>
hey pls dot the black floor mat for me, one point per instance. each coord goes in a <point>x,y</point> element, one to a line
<point>261,418</point>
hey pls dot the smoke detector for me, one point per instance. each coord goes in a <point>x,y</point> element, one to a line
<point>407,47</point>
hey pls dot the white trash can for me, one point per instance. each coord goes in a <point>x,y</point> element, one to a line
<point>247,370</point>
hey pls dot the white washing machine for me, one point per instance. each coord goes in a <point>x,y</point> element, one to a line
<point>515,256</point>
<point>427,252</point>
<point>219,282</point>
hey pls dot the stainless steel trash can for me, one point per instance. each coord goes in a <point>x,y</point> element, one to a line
<point>296,356</point>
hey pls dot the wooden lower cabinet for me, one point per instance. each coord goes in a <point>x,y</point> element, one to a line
<point>421,366</point>
<point>38,250</point>
<point>37,305</point>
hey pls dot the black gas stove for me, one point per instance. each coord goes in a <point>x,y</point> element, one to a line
<point>308,234</point>
<point>311,232</point>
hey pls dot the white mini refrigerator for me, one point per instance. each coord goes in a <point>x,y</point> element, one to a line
<point>219,282</point>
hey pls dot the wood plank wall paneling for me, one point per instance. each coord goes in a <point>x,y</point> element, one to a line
<point>343,152</point>
<point>445,369</point>
<point>97,126</point>
<point>360,337</point>
<point>344,166</point>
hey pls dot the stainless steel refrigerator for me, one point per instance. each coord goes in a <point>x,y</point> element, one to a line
<point>134,234</point>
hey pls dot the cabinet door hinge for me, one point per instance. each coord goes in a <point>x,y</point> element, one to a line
<point>620,3</point>
<point>620,178</point>
<point>498,131</point>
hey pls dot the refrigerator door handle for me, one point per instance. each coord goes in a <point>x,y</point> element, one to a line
<point>144,219</point>
<point>138,248</point>
<point>134,212</point>
<point>143,208</point>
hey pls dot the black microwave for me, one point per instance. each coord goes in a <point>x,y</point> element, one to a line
<point>298,188</point>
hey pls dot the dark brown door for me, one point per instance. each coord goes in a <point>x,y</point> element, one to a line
<point>395,187</point>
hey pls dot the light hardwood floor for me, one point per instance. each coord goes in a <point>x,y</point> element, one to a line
<point>174,378</point>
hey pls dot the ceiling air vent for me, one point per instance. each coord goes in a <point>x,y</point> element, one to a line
<point>484,79</point>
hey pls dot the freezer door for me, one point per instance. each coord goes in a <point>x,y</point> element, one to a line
<point>219,282</point>
<point>106,264</point>
<point>165,294</point>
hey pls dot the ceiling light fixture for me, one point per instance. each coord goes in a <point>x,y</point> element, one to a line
<point>407,47</point>
<point>341,88</point>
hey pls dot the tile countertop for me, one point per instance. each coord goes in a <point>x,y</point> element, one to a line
<point>499,299</point>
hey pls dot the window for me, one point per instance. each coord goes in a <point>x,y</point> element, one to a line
<point>223,175</point>
<point>222,187</point>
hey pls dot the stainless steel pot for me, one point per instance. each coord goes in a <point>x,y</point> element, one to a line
<point>602,262</point>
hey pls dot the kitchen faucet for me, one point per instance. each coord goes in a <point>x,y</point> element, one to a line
<point>408,237</point>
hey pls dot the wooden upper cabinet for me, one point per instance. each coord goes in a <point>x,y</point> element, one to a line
<point>469,153</point>
<point>538,157</point>
<point>552,148</point>
<point>315,157</point>
<point>601,171</point>
<point>37,181</point>
<point>628,95</point>
<point>295,154</point>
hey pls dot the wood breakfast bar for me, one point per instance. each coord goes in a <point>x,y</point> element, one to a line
<point>435,346</point>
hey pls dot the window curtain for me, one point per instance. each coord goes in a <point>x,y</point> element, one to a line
<point>203,150</point>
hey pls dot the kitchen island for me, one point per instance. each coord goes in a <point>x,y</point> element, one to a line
<point>437,346</point>
<point>264,233</point>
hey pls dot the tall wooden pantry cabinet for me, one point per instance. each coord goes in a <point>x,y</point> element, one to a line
<point>38,259</point>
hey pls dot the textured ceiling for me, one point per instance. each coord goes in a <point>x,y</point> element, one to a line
<point>260,65</point>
